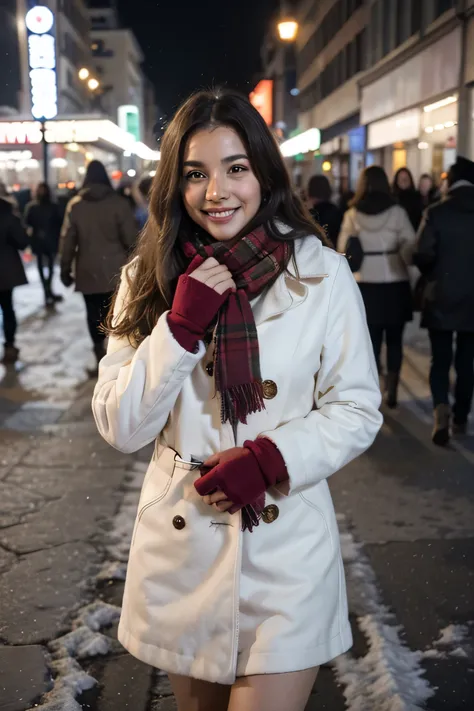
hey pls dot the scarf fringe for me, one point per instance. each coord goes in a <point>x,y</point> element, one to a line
<point>240,401</point>
<point>251,516</point>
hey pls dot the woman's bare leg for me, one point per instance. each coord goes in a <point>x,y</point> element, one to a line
<point>273,692</point>
<point>197,695</point>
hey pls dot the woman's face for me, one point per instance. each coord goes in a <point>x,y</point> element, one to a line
<point>220,191</point>
<point>403,180</point>
<point>425,185</point>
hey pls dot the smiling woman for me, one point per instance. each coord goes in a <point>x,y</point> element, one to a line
<point>228,350</point>
<point>220,192</point>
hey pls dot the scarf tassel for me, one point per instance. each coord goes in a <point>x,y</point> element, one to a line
<point>239,401</point>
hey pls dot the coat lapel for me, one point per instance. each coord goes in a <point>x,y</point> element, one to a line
<point>289,291</point>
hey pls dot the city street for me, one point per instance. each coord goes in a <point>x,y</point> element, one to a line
<point>67,506</point>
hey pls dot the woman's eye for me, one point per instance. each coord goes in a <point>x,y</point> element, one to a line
<point>238,169</point>
<point>195,175</point>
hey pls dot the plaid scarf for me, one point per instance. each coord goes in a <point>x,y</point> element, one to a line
<point>255,262</point>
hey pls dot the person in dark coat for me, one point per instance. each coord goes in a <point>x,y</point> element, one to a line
<point>12,238</point>
<point>407,196</point>
<point>326,214</point>
<point>445,257</point>
<point>427,190</point>
<point>43,221</point>
<point>98,232</point>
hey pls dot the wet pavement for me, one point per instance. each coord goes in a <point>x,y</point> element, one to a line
<point>67,504</point>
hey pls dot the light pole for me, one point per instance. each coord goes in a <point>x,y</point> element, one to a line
<point>44,144</point>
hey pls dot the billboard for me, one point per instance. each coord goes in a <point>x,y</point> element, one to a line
<point>262,98</point>
<point>42,62</point>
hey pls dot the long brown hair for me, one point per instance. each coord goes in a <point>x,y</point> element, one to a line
<point>159,258</point>
<point>371,180</point>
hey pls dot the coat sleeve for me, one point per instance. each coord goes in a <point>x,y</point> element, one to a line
<point>69,239</point>
<point>407,238</point>
<point>345,418</point>
<point>347,230</point>
<point>17,234</point>
<point>425,253</point>
<point>138,387</point>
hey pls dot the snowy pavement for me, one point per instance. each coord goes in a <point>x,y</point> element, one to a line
<point>67,507</point>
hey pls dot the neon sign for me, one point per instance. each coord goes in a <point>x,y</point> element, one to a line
<point>42,62</point>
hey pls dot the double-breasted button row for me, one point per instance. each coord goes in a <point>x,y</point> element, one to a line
<point>269,514</point>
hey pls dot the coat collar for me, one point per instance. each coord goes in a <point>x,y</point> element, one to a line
<point>289,290</point>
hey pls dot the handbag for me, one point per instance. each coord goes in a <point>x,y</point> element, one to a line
<point>354,253</point>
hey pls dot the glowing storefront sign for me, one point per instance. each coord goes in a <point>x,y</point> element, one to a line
<point>129,119</point>
<point>42,62</point>
<point>302,143</point>
<point>74,132</point>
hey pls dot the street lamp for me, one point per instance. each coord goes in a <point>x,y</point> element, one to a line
<point>287,30</point>
<point>93,84</point>
<point>83,73</point>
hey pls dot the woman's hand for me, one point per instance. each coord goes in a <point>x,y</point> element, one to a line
<point>220,502</point>
<point>218,498</point>
<point>214,275</point>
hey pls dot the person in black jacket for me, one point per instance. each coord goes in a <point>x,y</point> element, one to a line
<point>326,214</point>
<point>407,196</point>
<point>12,238</point>
<point>445,257</point>
<point>43,220</point>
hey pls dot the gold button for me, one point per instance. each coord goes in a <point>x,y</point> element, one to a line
<point>179,523</point>
<point>270,389</point>
<point>270,513</point>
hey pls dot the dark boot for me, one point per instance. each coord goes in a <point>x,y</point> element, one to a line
<point>10,354</point>
<point>99,352</point>
<point>391,389</point>
<point>442,418</point>
<point>459,429</point>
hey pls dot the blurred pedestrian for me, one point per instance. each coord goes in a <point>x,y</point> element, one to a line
<point>125,190</point>
<point>43,221</point>
<point>408,196</point>
<point>345,200</point>
<point>142,200</point>
<point>385,238</point>
<point>12,273</point>
<point>221,326</point>
<point>98,231</point>
<point>445,256</point>
<point>326,214</point>
<point>427,190</point>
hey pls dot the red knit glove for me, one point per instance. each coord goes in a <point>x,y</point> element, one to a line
<point>243,473</point>
<point>195,306</point>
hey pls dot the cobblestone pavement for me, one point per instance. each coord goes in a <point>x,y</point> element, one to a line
<point>67,505</point>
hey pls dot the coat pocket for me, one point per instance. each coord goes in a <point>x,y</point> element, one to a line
<point>157,482</point>
<point>319,499</point>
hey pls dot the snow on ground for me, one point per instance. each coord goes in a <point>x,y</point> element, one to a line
<point>85,640</point>
<point>453,641</point>
<point>390,676</point>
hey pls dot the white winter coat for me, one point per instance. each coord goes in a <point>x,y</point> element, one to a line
<point>202,598</point>
<point>388,241</point>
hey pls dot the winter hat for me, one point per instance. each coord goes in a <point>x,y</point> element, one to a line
<point>463,169</point>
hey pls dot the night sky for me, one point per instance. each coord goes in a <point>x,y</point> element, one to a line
<point>190,44</point>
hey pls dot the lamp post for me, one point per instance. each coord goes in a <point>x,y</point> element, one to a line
<point>287,28</point>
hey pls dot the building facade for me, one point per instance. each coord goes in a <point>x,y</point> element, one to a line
<point>117,58</point>
<point>387,82</point>
<point>92,108</point>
